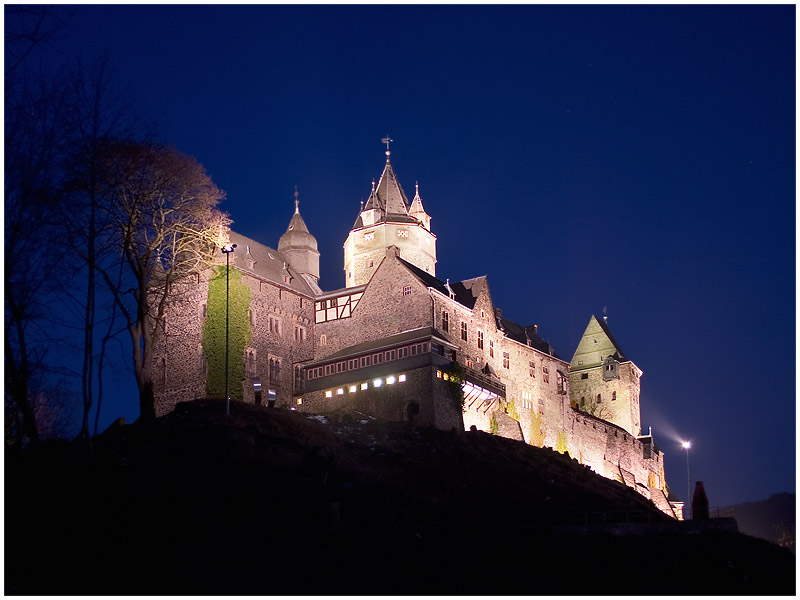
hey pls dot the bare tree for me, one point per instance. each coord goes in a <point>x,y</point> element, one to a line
<point>165,217</point>
<point>595,408</point>
<point>33,256</point>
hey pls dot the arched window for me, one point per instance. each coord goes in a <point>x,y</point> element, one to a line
<point>599,398</point>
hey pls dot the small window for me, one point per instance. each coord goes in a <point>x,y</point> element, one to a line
<point>402,352</point>
<point>368,237</point>
<point>599,398</point>
<point>299,333</point>
<point>298,379</point>
<point>352,364</point>
<point>403,233</point>
<point>390,354</point>
<point>584,376</point>
<point>340,367</point>
<point>323,340</point>
<point>407,290</point>
<point>204,310</point>
<point>491,348</point>
<point>531,368</point>
<point>545,375</point>
<point>506,360</point>
<point>328,369</point>
<point>275,370</point>
<point>469,363</point>
<point>377,358</point>
<point>365,361</point>
<point>445,321</point>
<point>274,325</point>
<point>370,263</point>
<point>613,396</point>
<point>561,382</point>
<point>464,330</point>
<point>250,363</point>
<point>480,340</point>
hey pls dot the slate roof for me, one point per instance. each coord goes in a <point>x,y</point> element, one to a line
<point>400,338</point>
<point>269,264</point>
<point>297,235</point>
<point>466,292</point>
<point>618,354</point>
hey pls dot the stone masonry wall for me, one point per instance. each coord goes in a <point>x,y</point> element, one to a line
<point>382,311</point>
<point>624,410</point>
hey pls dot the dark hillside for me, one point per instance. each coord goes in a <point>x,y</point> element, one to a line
<point>278,502</point>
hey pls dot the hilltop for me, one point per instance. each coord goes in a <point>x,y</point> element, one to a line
<point>278,502</point>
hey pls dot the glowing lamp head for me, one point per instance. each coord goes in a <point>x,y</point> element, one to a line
<point>686,445</point>
<point>228,248</point>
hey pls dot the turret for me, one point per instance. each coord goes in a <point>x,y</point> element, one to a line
<point>387,219</point>
<point>298,246</point>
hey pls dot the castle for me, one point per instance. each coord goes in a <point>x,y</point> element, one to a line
<point>399,343</point>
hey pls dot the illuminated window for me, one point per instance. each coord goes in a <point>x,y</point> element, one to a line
<point>401,378</point>
<point>480,339</point>
<point>353,389</point>
<point>469,363</point>
<point>377,382</point>
<point>340,391</point>
<point>407,290</point>
<point>329,394</point>
<point>299,401</point>
<point>368,237</point>
<point>464,330</point>
<point>403,233</point>
<point>364,386</point>
<point>438,374</point>
<point>506,360</point>
<point>445,322</point>
<point>391,379</point>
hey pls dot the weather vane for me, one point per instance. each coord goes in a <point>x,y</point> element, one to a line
<point>387,140</point>
<point>296,200</point>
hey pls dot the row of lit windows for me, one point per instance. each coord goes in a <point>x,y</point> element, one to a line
<point>365,385</point>
<point>369,360</point>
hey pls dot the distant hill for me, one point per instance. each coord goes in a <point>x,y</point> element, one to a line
<point>772,519</point>
<point>272,502</point>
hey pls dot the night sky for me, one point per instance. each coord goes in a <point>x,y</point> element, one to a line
<point>639,158</point>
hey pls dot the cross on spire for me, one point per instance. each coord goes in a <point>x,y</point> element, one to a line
<point>296,201</point>
<point>387,140</point>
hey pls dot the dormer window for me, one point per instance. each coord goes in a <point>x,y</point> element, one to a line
<point>368,237</point>
<point>610,368</point>
<point>403,233</point>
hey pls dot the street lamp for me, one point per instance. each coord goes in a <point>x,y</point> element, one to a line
<point>227,249</point>
<point>686,446</point>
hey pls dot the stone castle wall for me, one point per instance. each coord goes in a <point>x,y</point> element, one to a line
<point>619,397</point>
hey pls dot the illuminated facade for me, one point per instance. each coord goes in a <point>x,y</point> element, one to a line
<point>398,343</point>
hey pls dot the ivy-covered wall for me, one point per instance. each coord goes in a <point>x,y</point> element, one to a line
<point>240,333</point>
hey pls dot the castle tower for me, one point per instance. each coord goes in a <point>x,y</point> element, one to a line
<point>602,381</point>
<point>299,247</point>
<point>387,219</point>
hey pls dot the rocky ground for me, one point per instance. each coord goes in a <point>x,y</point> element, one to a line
<point>277,502</point>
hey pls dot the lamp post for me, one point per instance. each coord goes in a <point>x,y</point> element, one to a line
<point>686,446</point>
<point>227,249</point>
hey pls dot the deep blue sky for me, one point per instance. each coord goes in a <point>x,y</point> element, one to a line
<point>639,158</point>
